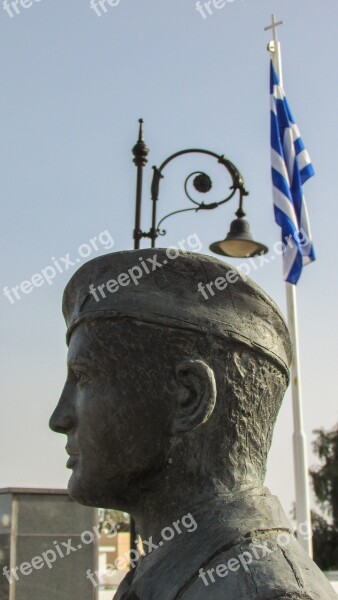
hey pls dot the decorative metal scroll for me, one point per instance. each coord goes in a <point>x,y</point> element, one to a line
<point>202,184</point>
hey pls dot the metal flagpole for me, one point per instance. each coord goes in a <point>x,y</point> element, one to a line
<point>303,511</point>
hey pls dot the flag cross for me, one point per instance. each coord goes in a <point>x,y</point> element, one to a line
<point>274,26</point>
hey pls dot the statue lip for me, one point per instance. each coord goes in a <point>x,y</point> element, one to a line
<point>71,451</point>
<point>72,461</point>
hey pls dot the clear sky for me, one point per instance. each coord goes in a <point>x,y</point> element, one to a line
<point>73,86</point>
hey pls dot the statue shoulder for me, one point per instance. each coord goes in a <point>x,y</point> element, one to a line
<point>263,567</point>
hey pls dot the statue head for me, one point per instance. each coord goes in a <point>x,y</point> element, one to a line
<point>177,367</point>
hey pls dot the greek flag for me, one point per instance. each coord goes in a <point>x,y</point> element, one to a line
<point>291,167</point>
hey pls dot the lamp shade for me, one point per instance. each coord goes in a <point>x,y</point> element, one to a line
<point>239,242</point>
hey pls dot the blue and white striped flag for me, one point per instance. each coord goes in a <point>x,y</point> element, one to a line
<point>291,167</point>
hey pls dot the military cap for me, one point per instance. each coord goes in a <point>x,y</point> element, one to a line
<point>184,290</point>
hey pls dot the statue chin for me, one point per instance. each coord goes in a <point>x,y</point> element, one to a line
<point>83,492</point>
<point>97,494</point>
<point>75,491</point>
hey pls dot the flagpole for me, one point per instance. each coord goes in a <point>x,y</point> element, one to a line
<point>303,510</point>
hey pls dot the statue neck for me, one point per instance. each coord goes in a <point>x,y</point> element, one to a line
<point>184,508</point>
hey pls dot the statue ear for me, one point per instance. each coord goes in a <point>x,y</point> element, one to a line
<point>196,395</point>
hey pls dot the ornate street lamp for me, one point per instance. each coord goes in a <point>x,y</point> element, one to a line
<point>238,243</point>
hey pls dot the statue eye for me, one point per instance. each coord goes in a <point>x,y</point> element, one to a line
<point>81,376</point>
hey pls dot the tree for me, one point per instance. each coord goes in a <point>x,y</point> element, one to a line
<point>325,485</point>
<point>109,516</point>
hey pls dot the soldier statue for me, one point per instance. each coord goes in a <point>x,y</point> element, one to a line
<point>177,368</point>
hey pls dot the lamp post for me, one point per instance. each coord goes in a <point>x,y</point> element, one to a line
<point>238,243</point>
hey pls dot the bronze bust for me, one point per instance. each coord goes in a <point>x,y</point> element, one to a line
<point>169,408</point>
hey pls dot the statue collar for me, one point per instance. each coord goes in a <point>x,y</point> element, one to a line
<point>215,533</point>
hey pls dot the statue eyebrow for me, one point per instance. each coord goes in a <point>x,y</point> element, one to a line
<point>79,362</point>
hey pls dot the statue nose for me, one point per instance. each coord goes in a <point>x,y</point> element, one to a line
<point>60,423</point>
<point>62,419</point>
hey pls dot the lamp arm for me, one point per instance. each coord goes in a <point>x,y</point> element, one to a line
<point>176,212</point>
<point>202,183</point>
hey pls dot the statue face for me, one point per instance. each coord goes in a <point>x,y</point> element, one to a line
<point>118,433</point>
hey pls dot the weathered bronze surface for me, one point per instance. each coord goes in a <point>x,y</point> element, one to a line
<point>178,365</point>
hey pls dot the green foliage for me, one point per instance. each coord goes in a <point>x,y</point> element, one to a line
<point>325,543</point>
<point>109,516</point>
<point>325,485</point>
<point>325,478</point>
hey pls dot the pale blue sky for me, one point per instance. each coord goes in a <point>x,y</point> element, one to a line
<point>73,87</point>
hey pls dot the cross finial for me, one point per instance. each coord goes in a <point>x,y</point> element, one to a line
<point>274,26</point>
